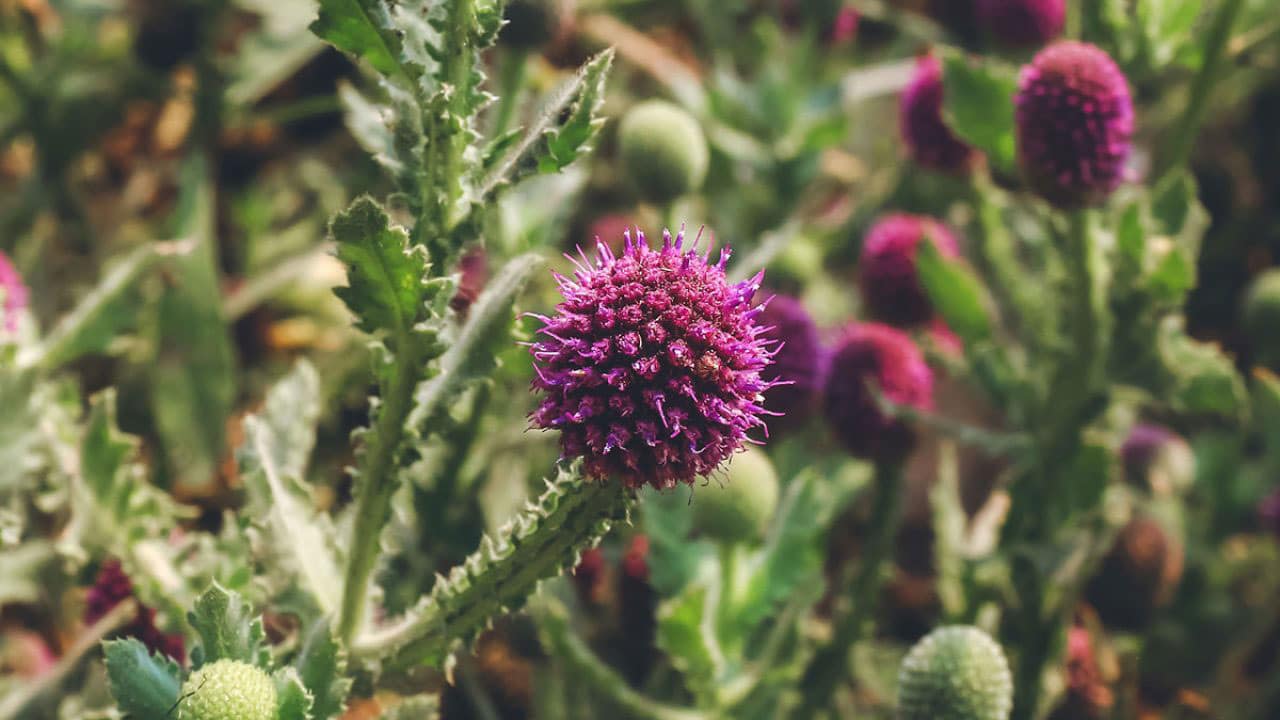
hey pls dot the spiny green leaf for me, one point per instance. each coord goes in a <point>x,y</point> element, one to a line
<point>540,542</point>
<point>955,291</point>
<point>977,103</point>
<point>322,666</point>
<point>228,628</point>
<point>385,276</point>
<point>278,442</point>
<point>144,685</point>
<point>362,28</point>
<point>686,632</point>
<point>674,557</point>
<point>1198,377</point>
<point>295,701</point>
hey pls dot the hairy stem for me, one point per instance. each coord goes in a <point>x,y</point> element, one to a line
<point>1184,133</point>
<point>830,665</point>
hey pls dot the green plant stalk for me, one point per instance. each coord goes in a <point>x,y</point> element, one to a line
<point>586,666</point>
<point>515,68</point>
<point>999,261</point>
<point>830,665</point>
<point>1184,133</point>
<point>376,486</point>
<point>570,516</point>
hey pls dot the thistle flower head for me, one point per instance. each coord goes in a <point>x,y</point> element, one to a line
<point>13,295</point>
<point>651,366</point>
<point>1087,693</point>
<point>797,365</point>
<point>886,357</point>
<point>1074,120</point>
<point>887,272</point>
<point>663,150</point>
<point>1022,23</point>
<point>955,673</point>
<point>228,690</point>
<point>929,140</point>
<point>112,587</point>
<point>739,509</point>
<point>1158,459</point>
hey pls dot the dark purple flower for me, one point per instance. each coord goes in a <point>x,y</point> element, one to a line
<point>797,364</point>
<point>13,295</point>
<point>473,271</point>
<point>929,140</point>
<point>887,268</point>
<point>1158,459</point>
<point>1022,23</point>
<point>113,587</point>
<point>845,26</point>
<point>1139,574</point>
<point>887,358</point>
<point>652,364</point>
<point>1074,124</point>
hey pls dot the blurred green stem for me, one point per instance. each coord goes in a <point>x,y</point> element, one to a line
<point>830,665</point>
<point>511,78</point>
<point>1178,148</point>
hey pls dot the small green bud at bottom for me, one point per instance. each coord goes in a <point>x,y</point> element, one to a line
<point>740,510</point>
<point>663,150</point>
<point>955,673</point>
<point>228,690</point>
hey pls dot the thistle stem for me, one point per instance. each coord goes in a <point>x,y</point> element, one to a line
<point>830,665</point>
<point>515,68</point>
<point>1184,133</point>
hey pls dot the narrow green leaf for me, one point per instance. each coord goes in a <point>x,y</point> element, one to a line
<point>686,632</point>
<point>362,28</point>
<point>977,104</point>
<point>955,291</point>
<point>674,557</point>
<point>144,685</point>
<point>228,628</point>
<point>322,667</point>
<point>295,701</point>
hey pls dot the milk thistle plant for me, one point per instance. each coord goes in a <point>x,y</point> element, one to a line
<point>660,360</point>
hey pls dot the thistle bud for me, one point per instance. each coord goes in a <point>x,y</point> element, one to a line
<point>929,140</point>
<point>663,151</point>
<point>1022,23</point>
<point>1158,459</point>
<point>228,690</point>
<point>1139,574</point>
<point>889,360</point>
<point>1262,317</point>
<point>1074,120</point>
<point>796,371</point>
<point>887,274</point>
<point>955,673</point>
<point>739,509</point>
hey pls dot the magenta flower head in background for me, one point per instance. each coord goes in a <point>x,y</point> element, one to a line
<point>797,363</point>
<point>1022,23</point>
<point>929,140</point>
<point>887,358</point>
<point>651,367</point>
<point>887,274</point>
<point>112,587</point>
<point>13,295</point>
<point>1074,119</point>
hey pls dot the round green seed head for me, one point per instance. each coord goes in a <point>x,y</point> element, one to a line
<point>663,151</point>
<point>228,690</point>
<point>739,509</point>
<point>955,673</point>
<point>1262,317</point>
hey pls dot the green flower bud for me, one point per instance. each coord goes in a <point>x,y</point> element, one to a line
<point>228,690</point>
<point>955,673</point>
<point>740,510</point>
<point>1262,317</point>
<point>663,150</point>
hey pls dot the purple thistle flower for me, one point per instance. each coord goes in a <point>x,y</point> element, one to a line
<point>1158,459</point>
<point>1269,513</point>
<point>887,357</point>
<point>929,140</point>
<point>113,587</point>
<point>797,366</point>
<point>1022,23</point>
<point>13,295</point>
<point>887,272</point>
<point>651,367</point>
<point>1074,119</point>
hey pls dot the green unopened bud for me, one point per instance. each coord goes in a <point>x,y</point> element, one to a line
<point>663,151</point>
<point>740,509</point>
<point>1262,317</point>
<point>228,690</point>
<point>955,673</point>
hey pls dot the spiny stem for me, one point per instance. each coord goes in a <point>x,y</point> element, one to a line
<point>830,665</point>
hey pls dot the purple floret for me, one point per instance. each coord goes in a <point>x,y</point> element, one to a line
<point>1022,23</point>
<point>112,587</point>
<point>888,359</point>
<point>651,367</point>
<point>797,365</point>
<point>1074,118</point>
<point>887,274</point>
<point>929,140</point>
<point>13,295</point>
